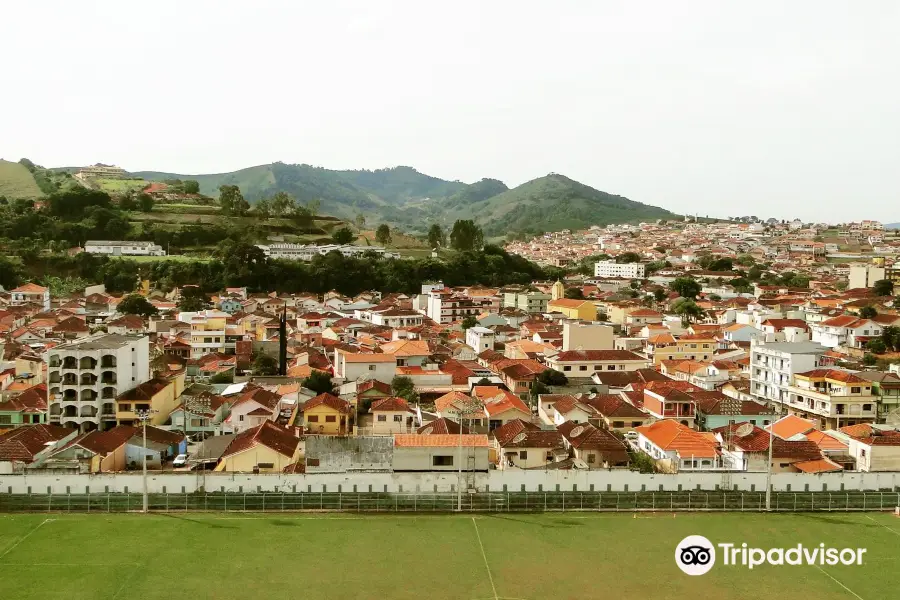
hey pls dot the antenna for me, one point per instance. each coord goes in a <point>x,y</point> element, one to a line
<point>744,430</point>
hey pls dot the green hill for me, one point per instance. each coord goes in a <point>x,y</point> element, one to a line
<point>404,197</point>
<point>16,181</point>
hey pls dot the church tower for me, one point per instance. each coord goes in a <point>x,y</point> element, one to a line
<point>558,290</point>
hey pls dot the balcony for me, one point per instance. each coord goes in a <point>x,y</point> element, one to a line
<point>87,363</point>
<point>70,363</point>
<point>108,361</point>
<point>108,377</point>
<point>88,379</point>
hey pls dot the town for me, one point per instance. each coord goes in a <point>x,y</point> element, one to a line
<point>724,347</point>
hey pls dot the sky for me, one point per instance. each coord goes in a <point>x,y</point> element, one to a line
<point>766,108</point>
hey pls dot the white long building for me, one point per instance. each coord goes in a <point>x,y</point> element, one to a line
<point>124,248</point>
<point>310,251</point>
<point>609,268</point>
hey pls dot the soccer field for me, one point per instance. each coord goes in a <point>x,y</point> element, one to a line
<point>465,557</point>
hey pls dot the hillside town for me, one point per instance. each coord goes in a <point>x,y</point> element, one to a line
<point>738,346</point>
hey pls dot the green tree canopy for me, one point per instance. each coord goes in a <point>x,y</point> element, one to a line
<point>343,236</point>
<point>383,234</point>
<point>883,287</point>
<point>135,304</point>
<point>868,312</point>
<point>686,287</point>
<point>469,322</point>
<point>466,235</point>
<point>628,257</point>
<point>264,364</point>
<point>192,299</point>
<point>404,387</point>
<point>436,236</point>
<point>191,186</point>
<point>319,382</point>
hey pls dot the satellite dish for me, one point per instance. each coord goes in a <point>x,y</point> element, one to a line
<point>519,438</point>
<point>427,430</point>
<point>576,431</point>
<point>744,430</point>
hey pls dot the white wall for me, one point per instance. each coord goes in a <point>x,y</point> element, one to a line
<point>616,480</point>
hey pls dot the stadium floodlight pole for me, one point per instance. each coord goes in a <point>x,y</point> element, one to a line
<point>144,416</point>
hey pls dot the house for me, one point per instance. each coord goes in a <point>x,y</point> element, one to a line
<point>204,414</point>
<point>846,330</point>
<point>873,448</point>
<point>715,410</point>
<point>30,293</point>
<point>699,347</point>
<point>791,427</point>
<point>556,409</point>
<point>832,397</point>
<point>616,414</point>
<point>327,415</point>
<point>582,310</point>
<point>886,386</point>
<point>71,328</point>
<point>676,447</point>
<point>520,444</point>
<point>421,452</point>
<point>480,338</point>
<point>392,415</point>
<point>666,400</point>
<point>598,448</point>
<point>27,408</point>
<point>584,363</point>
<point>266,448</point>
<point>501,406</point>
<point>161,445</point>
<point>251,407</point>
<point>409,353</point>
<point>92,452</point>
<point>24,445</point>
<point>746,448</point>
<point>158,395</point>
<point>126,325</point>
<point>361,366</point>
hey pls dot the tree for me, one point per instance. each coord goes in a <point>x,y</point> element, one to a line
<point>127,202</point>
<point>469,322</point>
<point>436,236</point>
<point>282,203</point>
<point>264,364</point>
<point>876,346</point>
<point>484,381</point>
<point>224,377</point>
<point>263,208</point>
<point>383,234</point>
<point>232,200</point>
<point>135,304</point>
<point>191,186</point>
<point>715,297</point>
<point>890,335</point>
<point>659,294</point>
<point>145,202</point>
<point>360,221</point>
<point>192,299</point>
<point>686,287</point>
<point>466,235</point>
<point>869,359</point>
<point>883,287</point>
<point>552,377</point>
<point>343,236</point>
<point>404,387</point>
<point>319,382</point>
<point>687,309</point>
<point>722,264</point>
<point>574,293</point>
<point>313,206</point>
<point>628,257</point>
<point>868,312</point>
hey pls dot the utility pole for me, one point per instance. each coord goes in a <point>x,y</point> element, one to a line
<point>462,409</point>
<point>144,416</point>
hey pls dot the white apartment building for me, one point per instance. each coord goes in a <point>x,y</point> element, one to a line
<point>124,248</point>
<point>480,339</point>
<point>445,307</point>
<point>86,376</point>
<point>833,397</point>
<point>865,276</point>
<point>609,268</point>
<point>774,364</point>
<point>308,252</point>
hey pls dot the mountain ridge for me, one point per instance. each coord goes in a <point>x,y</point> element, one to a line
<point>403,196</point>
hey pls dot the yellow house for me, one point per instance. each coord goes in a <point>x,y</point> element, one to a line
<point>574,309</point>
<point>266,448</point>
<point>207,332</point>
<point>327,415</point>
<point>687,347</point>
<point>159,394</point>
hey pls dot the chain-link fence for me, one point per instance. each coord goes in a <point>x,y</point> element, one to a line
<point>477,502</point>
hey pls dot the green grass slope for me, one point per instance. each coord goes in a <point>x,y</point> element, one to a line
<point>553,203</point>
<point>16,181</point>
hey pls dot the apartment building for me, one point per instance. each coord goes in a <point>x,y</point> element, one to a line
<point>774,364</point>
<point>530,302</point>
<point>30,293</point>
<point>86,376</point>
<point>687,347</point>
<point>833,398</point>
<point>124,248</point>
<point>610,268</point>
<point>865,276</point>
<point>444,307</point>
<point>207,333</point>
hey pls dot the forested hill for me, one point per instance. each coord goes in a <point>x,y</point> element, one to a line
<point>402,196</point>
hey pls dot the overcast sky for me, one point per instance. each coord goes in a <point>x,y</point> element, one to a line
<point>723,108</point>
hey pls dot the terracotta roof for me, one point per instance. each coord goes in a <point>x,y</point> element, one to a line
<point>613,405</point>
<point>567,303</point>
<point>30,288</point>
<point>596,355</point>
<point>22,443</point>
<point>269,435</point>
<point>790,426</point>
<point>521,434</point>
<point>103,442</point>
<point>146,390</point>
<point>458,399</point>
<point>342,406</point>
<point>825,442</point>
<point>584,436</point>
<point>361,357</point>
<point>673,436</point>
<point>834,374</point>
<point>818,465</point>
<point>415,440</point>
<point>391,403</point>
<point>406,348</point>
<point>33,399</point>
<point>503,402</point>
<point>442,426</point>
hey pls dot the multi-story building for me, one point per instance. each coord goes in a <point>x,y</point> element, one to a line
<point>207,331</point>
<point>125,248</point>
<point>687,347</point>
<point>865,276</point>
<point>609,268</point>
<point>445,307</point>
<point>774,364</point>
<point>30,293</point>
<point>832,397</point>
<point>101,170</point>
<point>584,363</point>
<point>530,302</point>
<point>86,376</point>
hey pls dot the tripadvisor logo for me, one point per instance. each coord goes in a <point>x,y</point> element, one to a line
<point>696,555</point>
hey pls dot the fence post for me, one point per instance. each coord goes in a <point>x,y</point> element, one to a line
<point>226,501</point>
<point>264,502</point>
<point>795,501</point>
<point>865,496</point>
<point>107,501</point>
<point>564,502</point>
<point>653,500</point>
<point>545,502</point>
<point>742,501</point>
<point>167,503</point>
<point>812,502</point>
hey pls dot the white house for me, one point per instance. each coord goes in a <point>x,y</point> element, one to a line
<point>845,330</point>
<point>480,339</point>
<point>361,366</point>
<point>123,248</point>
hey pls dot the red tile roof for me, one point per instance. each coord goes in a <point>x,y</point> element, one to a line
<point>390,404</point>
<point>334,402</point>
<point>268,434</point>
<point>596,355</point>
<point>673,436</point>
<point>415,440</point>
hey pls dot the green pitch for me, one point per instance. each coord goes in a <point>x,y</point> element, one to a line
<point>459,557</point>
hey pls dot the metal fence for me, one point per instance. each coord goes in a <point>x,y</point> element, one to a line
<point>477,502</point>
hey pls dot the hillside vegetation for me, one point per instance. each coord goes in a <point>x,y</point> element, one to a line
<point>16,181</point>
<point>404,197</point>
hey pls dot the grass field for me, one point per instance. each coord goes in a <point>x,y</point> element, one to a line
<point>119,186</point>
<point>17,182</point>
<point>169,257</point>
<point>486,557</point>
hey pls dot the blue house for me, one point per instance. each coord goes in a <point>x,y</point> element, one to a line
<point>715,409</point>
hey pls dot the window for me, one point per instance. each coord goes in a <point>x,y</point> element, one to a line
<point>266,465</point>
<point>5,419</point>
<point>862,452</point>
<point>610,367</point>
<point>618,424</point>
<point>867,407</point>
<point>635,424</point>
<point>854,390</point>
<point>240,417</point>
<point>312,419</point>
<point>567,368</point>
<point>442,461</point>
<point>582,368</point>
<point>621,367</point>
<point>598,367</point>
<point>371,367</point>
<point>382,418</point>
<point>591,459</point>
<point>523,454</point>
<point>398,418</point>
<point>330,418</point>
